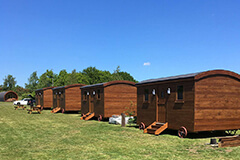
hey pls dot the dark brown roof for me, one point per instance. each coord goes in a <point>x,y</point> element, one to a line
<point>44,88</point>
<point>109,83</point>
<point>196,76</point>
<point>191,75</point>
<point>69,86</point>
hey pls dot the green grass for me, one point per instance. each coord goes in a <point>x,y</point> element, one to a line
<point>65,136</point>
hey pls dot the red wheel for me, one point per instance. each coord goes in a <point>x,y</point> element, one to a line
<point>142,126</point>
<point>182,132</point>
<point>100,118</point>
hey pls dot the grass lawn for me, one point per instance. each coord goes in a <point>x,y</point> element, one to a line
<point>65,136</point>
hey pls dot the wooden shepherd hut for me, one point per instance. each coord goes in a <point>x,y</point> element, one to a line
<point>44,97</point>
<point>8,96</point>
<point>107,99</point>
<point>67,98</point>
<point>204,101</point>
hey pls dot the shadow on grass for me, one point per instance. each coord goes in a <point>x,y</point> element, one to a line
<point>197,135</point>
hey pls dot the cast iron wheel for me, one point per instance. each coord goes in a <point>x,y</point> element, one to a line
<point>142,126</point>
<point>100,118</point>
<point>231,132</point>
<point>182,132</point>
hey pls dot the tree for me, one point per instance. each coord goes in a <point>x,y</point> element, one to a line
<point>47,79</point>
<point>32,82</point>
<point>9,83</point>
<point>20,90</point>
<point>118,75</point>
<point>62,78</point>
<point>76,77</point>
<point>94,75</point>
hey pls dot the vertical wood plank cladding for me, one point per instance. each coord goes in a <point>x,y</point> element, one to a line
<point>58,99</point>
<point>39,98</point>
<point>73,99</point>
<point>146,111</point>
<point>47,98</point>
<point>98,104</point>
<point>84,103</point>
<point>114,98</point>
<point>118,97</point>
<point>217,102</point>
<point>177,114</point>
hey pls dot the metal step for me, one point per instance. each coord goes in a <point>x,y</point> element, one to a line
<point>159,123</point>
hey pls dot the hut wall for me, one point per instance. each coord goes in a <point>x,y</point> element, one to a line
<point>73,99</point>
<point>47,98</point>
<point>84,101</point>
<point>178,112</point>
<point>217,103</point>
<point>96,102</point>
<point>146,110</point>
<point>118,97</point>
<point>58,99</point>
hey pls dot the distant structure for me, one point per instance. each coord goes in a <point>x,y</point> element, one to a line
<point>8,96</point>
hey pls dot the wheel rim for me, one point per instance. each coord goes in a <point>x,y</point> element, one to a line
<point>99,117</point>
<point>182,132</point>
<point>142,126</point>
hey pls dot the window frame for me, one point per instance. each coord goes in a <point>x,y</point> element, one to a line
<point>98,94</point>
<point>178,95</point>
<point>84,96</point>
<point>146,92</point>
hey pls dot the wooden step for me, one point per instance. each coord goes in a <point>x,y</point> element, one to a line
<point>55,110</point>
<point>89,116</point>
<point>161,129</point>
<point>151,130</point>
<point>149,127</point>
<point>85,115</point>
<point>156,128</point>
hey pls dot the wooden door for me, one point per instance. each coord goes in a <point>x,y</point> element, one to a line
<point>39,97</point>
<point>58,100</point>
<point>161,105</point>
<point>91,104</point>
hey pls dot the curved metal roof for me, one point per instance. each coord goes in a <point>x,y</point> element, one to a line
<point>109,83</point>
<point>43,89</point>
<point>69,86</point>
<point>2,94</point>
<point>196,76</point>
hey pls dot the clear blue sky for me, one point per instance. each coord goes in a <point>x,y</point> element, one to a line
<point>173,36</point>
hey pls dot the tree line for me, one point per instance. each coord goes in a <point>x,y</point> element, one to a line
<point>88,76</point>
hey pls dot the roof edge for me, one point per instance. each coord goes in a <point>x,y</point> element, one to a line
<point>217,72</point>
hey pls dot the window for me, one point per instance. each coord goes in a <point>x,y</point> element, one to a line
<point>179,92</point>
<point>146,95</point>
<point>98,94</point>
<point>85,96</point>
